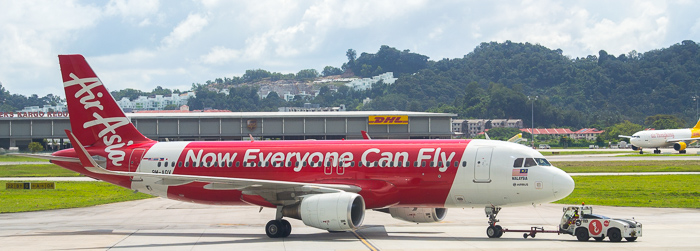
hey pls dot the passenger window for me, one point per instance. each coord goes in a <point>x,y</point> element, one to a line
<point>432,163</point>
<point>530,162</point>
<point>166,164</point>
<point>238,164</point>
<point>179,164</point>
<point>289,163</point>
<point>464,164</point>
<point>456,163</point>
<point>359,164</point>
<point>158,163</point>
<point>415,164</point>
<point>422,164</point>
<point>172,164</point>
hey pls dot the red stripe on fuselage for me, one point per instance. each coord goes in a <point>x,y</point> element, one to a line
<point>382,186</point>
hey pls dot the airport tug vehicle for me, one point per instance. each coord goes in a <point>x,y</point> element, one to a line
<point>582,223</point>
<point>578,221</point>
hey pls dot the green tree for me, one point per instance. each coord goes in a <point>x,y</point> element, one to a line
<point>307,74</point>
<point>625,128</point>
<point>35,147</point>
<point>330,71</point>
<point>663,121</point>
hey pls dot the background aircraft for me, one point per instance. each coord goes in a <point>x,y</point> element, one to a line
<point>326,184</point>
<point>678,138</point>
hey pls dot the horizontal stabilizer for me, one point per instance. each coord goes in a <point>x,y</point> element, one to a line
<point>46,156</point>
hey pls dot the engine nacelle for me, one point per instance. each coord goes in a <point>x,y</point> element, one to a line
<point>679,146</point>
<point>418,214</point>
<point>332,211</point>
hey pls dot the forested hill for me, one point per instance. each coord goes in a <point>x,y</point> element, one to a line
<point>495,79</point>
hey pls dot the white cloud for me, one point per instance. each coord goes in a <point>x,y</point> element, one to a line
<point>220,55</point>
<point>30,40</point>
<point>132,8</point>
<point>190,26</point>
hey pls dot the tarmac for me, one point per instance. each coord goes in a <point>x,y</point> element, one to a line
<point>162,224</point>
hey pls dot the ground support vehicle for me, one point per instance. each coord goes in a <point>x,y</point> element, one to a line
<point>582,223</point>
<point>578,221</point>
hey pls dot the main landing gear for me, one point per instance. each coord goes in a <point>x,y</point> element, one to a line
<point>278,228</point>
<point>493,231</point>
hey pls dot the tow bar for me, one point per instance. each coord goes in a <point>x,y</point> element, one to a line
<point>532,232</point>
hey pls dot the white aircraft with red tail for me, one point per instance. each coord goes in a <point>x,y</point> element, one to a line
<point>326,184</point>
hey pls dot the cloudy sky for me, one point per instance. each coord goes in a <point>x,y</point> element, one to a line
<point>145,43</point>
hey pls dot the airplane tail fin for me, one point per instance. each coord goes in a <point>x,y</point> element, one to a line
<point>697,125</point>
<point>95,117</point>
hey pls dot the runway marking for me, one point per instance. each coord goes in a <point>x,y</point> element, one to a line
<point>365,241</point>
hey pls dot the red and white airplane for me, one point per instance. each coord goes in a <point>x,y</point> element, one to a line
<point>326,184</point>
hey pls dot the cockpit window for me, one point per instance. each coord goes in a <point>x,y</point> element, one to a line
<point>542,162</point>
<point>530,162</point>
<point>518,162</point>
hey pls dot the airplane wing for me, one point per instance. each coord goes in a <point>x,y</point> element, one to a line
<point>268,189</point>
<point>682,139</point>
<point>624,136</point>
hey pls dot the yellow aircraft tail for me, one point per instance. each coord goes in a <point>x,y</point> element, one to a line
<point>697,125</point>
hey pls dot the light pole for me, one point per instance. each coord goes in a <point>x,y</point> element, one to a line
<point>696,98</point>
<point>532,129</point>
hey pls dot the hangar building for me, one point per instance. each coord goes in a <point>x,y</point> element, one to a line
<point>21,129</point>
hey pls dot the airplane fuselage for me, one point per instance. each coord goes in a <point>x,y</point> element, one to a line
<point>407,173</point>
<point>661,138</point>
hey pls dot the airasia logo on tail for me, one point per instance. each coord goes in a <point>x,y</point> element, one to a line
<point>388,120</point>
<point>88,99</point>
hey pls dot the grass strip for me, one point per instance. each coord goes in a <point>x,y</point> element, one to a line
<point>669,191</point>
<point>628,166</point>
<point>66,195</point>
<point>36,170</point>
<point>550,153</point>
<point>13,158</point>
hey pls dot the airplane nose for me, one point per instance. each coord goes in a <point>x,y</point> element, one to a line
<point>562,184</point>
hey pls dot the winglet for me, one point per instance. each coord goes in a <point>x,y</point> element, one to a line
<point>365,135</point>
<point>85,159</point>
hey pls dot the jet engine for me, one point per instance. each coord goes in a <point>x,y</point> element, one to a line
<point>679,146</point>
<point>332,211</point>
<point>418,214</point>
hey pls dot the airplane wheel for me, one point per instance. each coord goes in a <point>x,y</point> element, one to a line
<point>630,239</point>
<point>641,152</point>
<point>287,228</point>
<point>598,238</point>
<point>682,152</point>
<point>274,229</point>
<point>494,231</point>
<point>499,231</point>
<point>491,232</point>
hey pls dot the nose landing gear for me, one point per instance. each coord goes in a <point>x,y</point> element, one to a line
<point>493,231</point>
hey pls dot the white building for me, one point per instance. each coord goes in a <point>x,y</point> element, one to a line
<point>46,108</point>
<point>366,83</point>
<point>159,102</point>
